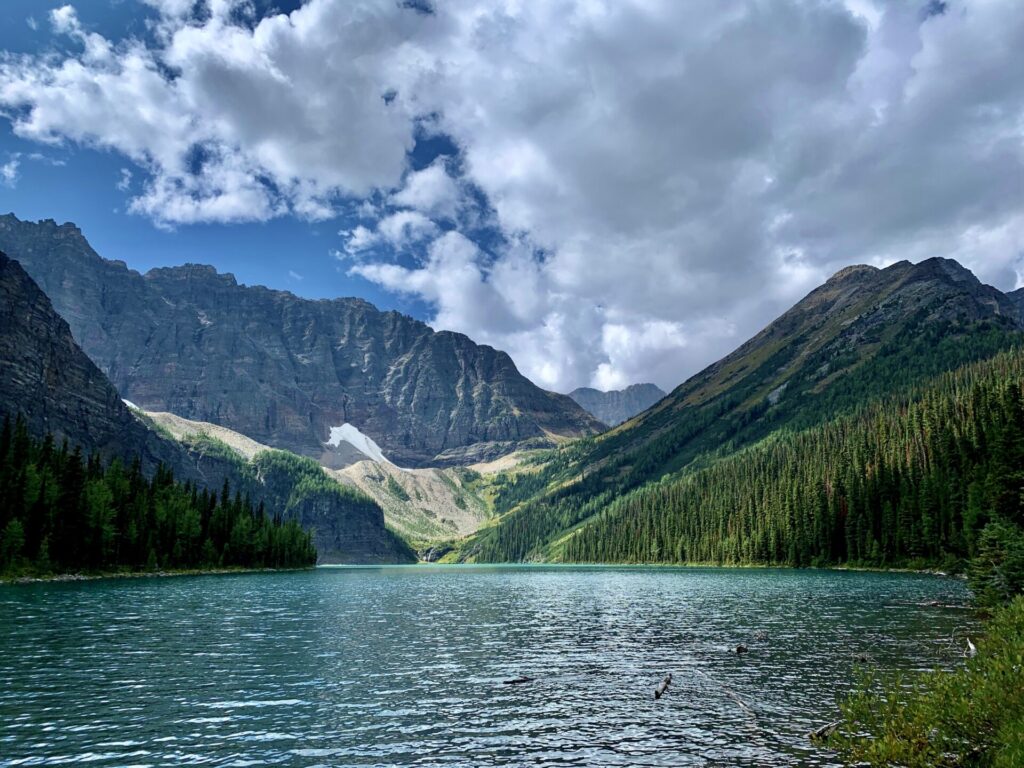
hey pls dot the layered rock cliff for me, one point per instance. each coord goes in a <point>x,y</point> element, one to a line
<point>285,370</point>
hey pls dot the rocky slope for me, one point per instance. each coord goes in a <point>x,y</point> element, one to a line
<point>865,333</point>
<point>424,505</point>
<point>285,370</point>
<point>47,379</point>
<point>617,405</point>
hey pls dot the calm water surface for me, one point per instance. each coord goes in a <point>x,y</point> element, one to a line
<point>404,665</point>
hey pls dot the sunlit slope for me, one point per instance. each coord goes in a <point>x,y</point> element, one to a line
<point>864,334</point>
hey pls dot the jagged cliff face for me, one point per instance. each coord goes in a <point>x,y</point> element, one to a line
<point>284,370</point>
<point>47,379</point>
<point>617,405</point>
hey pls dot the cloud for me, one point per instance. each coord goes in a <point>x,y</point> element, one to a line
<point>295,276</point>
<point>686,182</point>
<point>230,122</point>
<point>9,172</point>
<point>125,182</point>
<point>637,185</point>
<point>431,191</point>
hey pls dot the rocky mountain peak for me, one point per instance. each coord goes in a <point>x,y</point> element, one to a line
<point>286,370</point>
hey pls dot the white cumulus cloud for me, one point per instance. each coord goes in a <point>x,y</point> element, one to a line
<point>663,177</point>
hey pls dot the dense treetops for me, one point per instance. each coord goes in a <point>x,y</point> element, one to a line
<point>909,479</point>
<point>61,512</point>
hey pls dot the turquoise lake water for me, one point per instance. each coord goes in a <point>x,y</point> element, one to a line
<point>405,665</point>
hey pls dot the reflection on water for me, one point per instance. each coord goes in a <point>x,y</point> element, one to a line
<point>406,665</point>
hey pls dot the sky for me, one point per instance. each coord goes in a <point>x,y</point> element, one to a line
<point>612,191</point>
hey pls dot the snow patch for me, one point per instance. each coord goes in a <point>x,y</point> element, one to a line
<point>347,433</point>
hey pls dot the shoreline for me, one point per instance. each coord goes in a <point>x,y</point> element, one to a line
<point>162,573</point>
<point>169,573</point>
<point>722,566</point>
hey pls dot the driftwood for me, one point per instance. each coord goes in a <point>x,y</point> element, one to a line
<point>820,734</point>
<point>663,686</point>
<point>517,680</point>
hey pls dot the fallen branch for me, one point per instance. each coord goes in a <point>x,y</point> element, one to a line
<point>663,686</point>
<point>821,734</point>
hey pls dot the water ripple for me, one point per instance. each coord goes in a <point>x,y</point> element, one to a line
<point>407,666</point>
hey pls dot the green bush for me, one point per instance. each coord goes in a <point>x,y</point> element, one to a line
<point>972,716</point>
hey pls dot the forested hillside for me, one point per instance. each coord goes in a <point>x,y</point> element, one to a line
<point>865,335</point>
<point>61,512</point>
<point>921,478</point>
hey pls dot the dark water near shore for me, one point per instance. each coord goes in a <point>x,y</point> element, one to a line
<point>404,665</point>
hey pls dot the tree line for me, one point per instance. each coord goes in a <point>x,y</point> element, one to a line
<point>580,480</point>
<point>931,477</point>
<point>61,511</point>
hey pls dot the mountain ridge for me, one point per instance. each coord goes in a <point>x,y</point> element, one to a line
<point>47,380</point>
<point>862,334</point>
<point>285,370</point>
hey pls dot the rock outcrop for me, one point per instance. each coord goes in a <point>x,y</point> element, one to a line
<point>47,379</point>
<point>285,370</point>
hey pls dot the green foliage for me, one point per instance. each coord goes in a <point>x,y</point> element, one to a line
<point>208,445</point>
<point>973,716</point>
<point>911,478</point>
<point>589,476</point>
<point>61,512</point>
<point>997,570</point>
<point>396,490</point>
<point>304,480</point>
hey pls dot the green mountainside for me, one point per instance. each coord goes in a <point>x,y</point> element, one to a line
<point>61,512</point>
<point>864,335</point>
<point>913,479</point>
<point>347,525</point>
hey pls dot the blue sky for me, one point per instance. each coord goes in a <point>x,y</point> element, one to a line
<point>613,191</point>
<point>83,189</point>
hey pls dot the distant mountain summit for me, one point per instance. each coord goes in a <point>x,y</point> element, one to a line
<point>286,371</point>
<point>617,405</point>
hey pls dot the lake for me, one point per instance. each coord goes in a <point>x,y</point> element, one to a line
<point>405,665</point>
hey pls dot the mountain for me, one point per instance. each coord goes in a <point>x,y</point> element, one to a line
<point>49,381</point>
<point>46,378</point>
<point>866,333</point>
<point>617,405</point>
<point>284,370</point>
<point>922,475</point>
<point>425,505</point>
